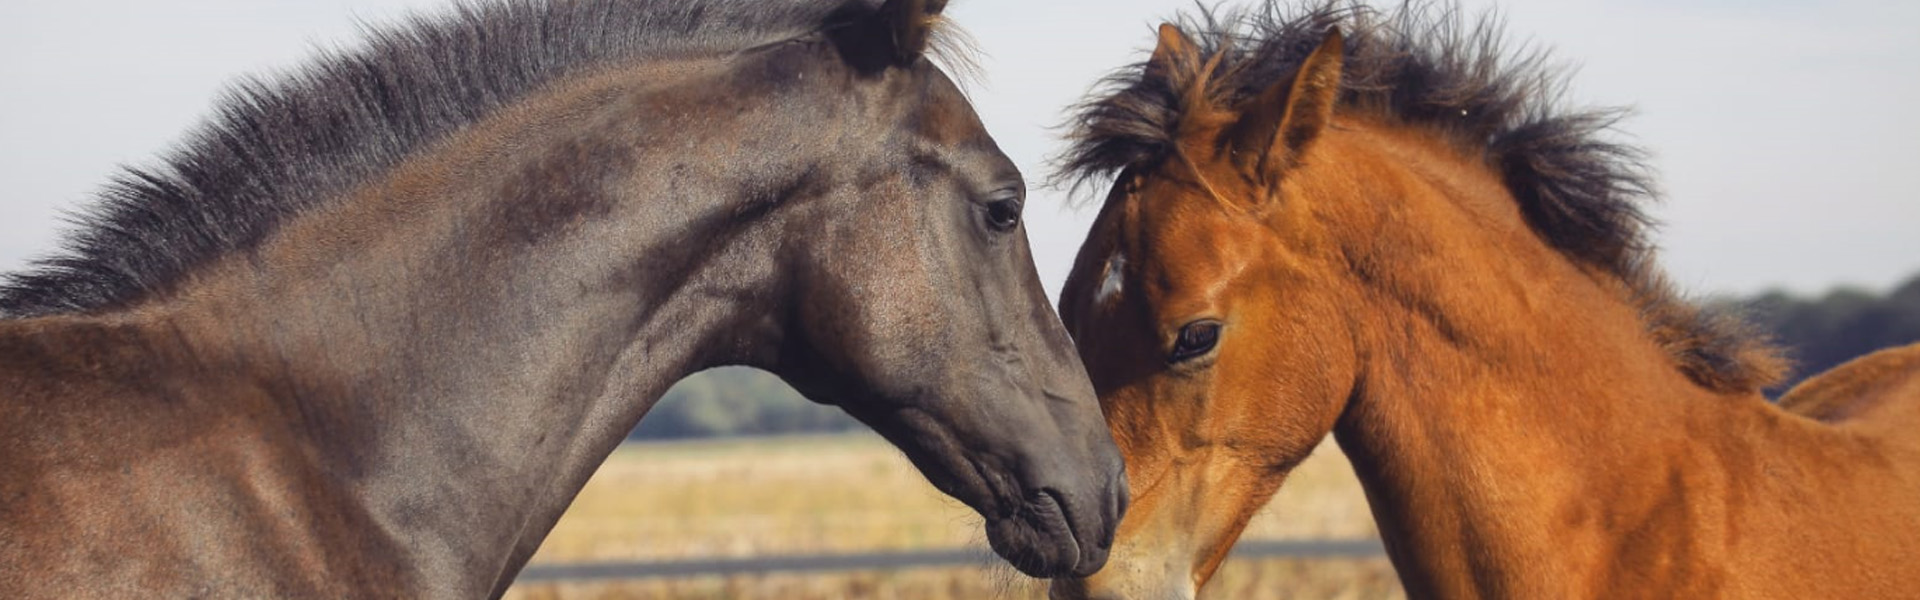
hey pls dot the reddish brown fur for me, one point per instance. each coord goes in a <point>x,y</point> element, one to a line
<point>1520,429</point>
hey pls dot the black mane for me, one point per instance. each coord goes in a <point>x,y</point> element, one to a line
<point>1425,64</point>
<point>276,147</point>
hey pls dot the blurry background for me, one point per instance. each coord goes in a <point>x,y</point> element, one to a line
<point>1787,134</point>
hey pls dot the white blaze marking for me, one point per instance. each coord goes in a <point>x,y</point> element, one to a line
<point>1110,286</point>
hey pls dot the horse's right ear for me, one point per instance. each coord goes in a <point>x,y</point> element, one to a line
<point>910,23</point>
<point>1174,52</point>
<point>1278,125</point>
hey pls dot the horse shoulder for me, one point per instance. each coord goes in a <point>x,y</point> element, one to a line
<point>97,471</point>
<point>1882,387</point>
<point>70,387</point>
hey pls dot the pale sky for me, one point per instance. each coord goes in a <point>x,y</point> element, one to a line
<point>1787,134</point>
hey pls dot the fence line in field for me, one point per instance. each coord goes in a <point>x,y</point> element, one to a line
<point>883,561</point>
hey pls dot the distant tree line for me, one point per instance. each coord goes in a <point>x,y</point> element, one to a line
<point>1821,333</point>
<point>1818,333</point>
<point>736,401</point>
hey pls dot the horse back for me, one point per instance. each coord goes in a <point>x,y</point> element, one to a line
<point>1879,391</point>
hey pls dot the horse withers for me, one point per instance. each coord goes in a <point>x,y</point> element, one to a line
<point>1379,226</point>
<point>369,330</point>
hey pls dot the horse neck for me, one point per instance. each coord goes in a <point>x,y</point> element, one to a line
<point>477,331</point>
<point>1513,416</point>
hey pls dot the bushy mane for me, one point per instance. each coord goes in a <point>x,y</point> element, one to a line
<point>1426,65</point>
<point>276,147</point>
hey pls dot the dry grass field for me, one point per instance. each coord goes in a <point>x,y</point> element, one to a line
<point>855,493</point>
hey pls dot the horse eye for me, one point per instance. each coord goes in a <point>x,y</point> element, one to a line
<point>1196,338</point>
<point>1003,215</point>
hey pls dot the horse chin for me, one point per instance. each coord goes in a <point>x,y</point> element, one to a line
<point>1038,539</point>
<point>1032,527</point>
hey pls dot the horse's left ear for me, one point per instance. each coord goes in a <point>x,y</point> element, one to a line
<point>1276,128</point>
<point>911,24</point>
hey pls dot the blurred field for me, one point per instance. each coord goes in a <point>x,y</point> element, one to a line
<point>854,493</point>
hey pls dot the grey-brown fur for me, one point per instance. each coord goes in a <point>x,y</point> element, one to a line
<point>285,370</point>
<point>283,144</point>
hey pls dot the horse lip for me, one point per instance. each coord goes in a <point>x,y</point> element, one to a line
<point>1041,522</point>
<point>1075,539</point>
<point>1037,520</point>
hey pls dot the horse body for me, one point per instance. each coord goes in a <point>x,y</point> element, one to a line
<point>1870,392</point>
<point>125,476</point>
<point>399,389</point>
<point>1388,239</point>
<point>1520,437</point>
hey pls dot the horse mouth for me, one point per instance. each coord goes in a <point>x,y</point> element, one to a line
<point>1038,539</point>
<point>1032,526</point>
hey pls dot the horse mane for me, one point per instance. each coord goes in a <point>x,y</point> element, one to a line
<point>279,146</point>
<point>1425,64</point>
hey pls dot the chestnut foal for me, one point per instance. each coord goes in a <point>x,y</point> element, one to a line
<point>1397,238</point>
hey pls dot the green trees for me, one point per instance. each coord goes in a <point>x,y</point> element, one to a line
<point>736,401</point>
<point>1821,333</point>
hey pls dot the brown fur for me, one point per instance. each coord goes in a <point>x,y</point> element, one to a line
<point>1511,405</point>
<point>1428,66</point>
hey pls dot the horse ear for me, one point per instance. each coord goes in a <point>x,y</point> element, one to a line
<point>1173,47</point>
<point>911,24</point>
<point>1277,127</point>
